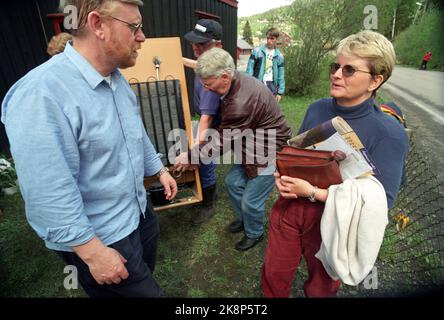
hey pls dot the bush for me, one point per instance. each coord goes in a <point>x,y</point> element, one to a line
<point>314,37</point>
<point>8,177</point>
<point>421,37</point>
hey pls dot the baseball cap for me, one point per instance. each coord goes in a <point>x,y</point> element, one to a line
<point>205,30</point>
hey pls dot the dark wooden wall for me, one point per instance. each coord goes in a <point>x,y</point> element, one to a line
<point>168,18</point>
<point>25,31</point>
<point>23,41</point>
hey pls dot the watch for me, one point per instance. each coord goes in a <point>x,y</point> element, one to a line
<point>162,171</point>
<point>312,196</point>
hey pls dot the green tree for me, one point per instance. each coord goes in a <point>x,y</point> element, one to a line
<point>247,33</point>
<point>405,12</point>
<point>315,36</point>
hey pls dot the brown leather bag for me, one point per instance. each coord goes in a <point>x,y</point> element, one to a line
<point>320,168</point>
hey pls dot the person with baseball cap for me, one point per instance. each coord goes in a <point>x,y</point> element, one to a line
<point>205,35</point>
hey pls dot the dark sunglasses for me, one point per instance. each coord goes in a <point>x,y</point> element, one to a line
<point>133,26</point>
<point>347,70</point>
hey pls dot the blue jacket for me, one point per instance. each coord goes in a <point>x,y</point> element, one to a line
<point>256,67</point>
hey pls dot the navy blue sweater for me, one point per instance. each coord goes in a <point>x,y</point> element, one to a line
<point>383,137</point>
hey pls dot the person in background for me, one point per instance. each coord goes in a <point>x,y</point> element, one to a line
<point>267,64</point>
<point>425,59</point>
<point>364,61</point>
<point>81,154</point>
<point>205,35</point>
<point>58,43</point>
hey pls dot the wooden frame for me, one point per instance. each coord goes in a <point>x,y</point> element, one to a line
<point>168,52</point>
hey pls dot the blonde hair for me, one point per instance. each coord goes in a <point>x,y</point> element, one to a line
<point>57,43</point>
<point>84,7</point>
<point>373,47</point>
<point>215,62</point>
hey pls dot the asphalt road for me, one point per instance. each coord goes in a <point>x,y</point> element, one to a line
<point>420,95</point>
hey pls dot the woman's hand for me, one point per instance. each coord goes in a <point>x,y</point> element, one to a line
<point>293,188</point>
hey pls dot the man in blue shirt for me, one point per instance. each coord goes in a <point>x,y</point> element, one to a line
<point>206,34</point>
<point>81,154</point>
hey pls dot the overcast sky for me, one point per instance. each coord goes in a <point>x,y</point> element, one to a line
<point>249,7</point>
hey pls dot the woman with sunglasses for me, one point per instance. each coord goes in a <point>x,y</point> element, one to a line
<point>364,61</point>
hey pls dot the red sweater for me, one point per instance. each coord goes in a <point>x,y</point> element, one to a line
<point>427,56</point>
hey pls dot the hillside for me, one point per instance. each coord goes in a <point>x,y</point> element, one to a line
<point>260,23</point>
<point>425,35</point>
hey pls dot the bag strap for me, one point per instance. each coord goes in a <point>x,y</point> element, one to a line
<point>304,156</point>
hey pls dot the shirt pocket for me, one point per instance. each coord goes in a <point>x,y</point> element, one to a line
<point>94,150</point>
<point>133,126</point>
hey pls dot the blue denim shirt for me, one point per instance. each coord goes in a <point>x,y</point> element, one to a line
<point>81,151</point>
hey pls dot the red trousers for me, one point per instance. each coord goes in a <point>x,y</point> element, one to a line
<point>295,231</point>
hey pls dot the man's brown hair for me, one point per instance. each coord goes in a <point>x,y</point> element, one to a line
<point>273,32</point>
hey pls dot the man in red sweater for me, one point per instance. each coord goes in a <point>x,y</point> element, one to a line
<point>427,56</point>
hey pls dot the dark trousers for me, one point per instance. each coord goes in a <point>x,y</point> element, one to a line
<point>270,85</point>
<point>295,232</point>
<point>207,174</point>
<point>140,250</point>
<point>423,65</point>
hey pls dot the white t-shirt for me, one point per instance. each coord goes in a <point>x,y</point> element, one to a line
<point>108,79</point>
<point>268,74</point>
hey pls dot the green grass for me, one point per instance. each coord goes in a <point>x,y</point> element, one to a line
<point>27,268</point>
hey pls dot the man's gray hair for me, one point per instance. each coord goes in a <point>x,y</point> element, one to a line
<point>215,62</point>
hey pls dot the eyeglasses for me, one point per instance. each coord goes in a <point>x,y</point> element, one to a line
<point>133,26</point>
<point>209,83</point>
<point>347,70</point>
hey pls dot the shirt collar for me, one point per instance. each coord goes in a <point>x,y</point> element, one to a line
<point>91,75</point>
<point>353,112</point>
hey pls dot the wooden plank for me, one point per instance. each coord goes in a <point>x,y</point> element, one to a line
<point>178,203</point>
<point>171,67</point>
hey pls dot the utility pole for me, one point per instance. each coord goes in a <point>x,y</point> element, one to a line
<point>419,4</point>
<point>394,23</point>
